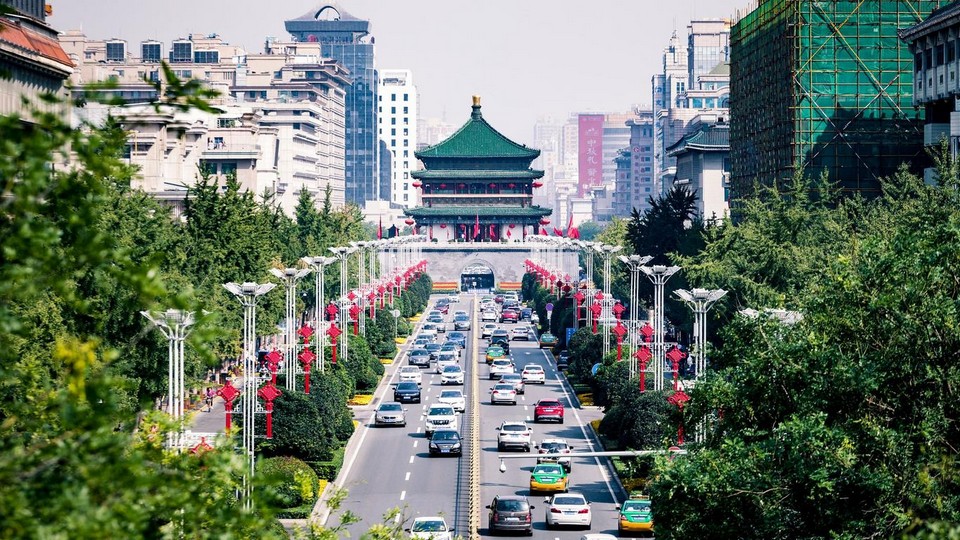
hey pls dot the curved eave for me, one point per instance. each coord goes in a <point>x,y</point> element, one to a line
<point>472,212</point>
<point>469,142</point>
<point>435,174</point>
<point>679,149</point>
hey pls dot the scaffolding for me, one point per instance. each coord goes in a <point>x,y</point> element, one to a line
<point>824,86</point>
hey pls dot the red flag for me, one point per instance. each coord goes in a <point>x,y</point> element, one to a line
<point>476,227</point>
<point>573,233</point>
<point>557,232</point>
<point>543,231</point>
<point>493,232</point>
<point>570,223</point>
<point>380,230</point>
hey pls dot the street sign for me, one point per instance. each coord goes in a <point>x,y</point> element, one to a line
<point>549,307</point>
<point>570,332</point>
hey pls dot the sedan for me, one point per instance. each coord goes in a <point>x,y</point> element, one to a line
<point>571,509</point>
<point>516,380</point>
<point>488,316</point>
<point>495,352</point>
<point>487,330</point>
<point>503,393</point>
<point>461,322</point>
<point>450,346</point>
<point>547,340</point>
<point>432,528</point>
<point>514,435</point>
<point>410,373</point>
<point>509,315</point>
<point>635,516</point>
<point>451,375</point>
<point>390,413</point>
<point>407,392</point>
<point>533,373</point>
<point>433,349</point>
<point>548,477</point>
<point>445,442</point>
<point>499,367</point>
<point>551,451</point>
<point>548,409</point>
<point>459,338</point>
<point>419,358</point>
<point>446,359</point>
<point>453,398</point>
<point>499,334</point>
<point>520,332</point>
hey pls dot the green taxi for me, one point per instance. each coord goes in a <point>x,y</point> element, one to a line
<point>547,340</point>
<point>494,352</point>
<point>636,516</point>
<point>549,477</point>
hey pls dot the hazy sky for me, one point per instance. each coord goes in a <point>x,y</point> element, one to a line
<point>526,58</point>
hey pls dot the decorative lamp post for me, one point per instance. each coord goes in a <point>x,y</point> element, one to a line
<point>372,300</point>
<point>658,274</point>
<point>700,301</point>
<point>579,297</point>
<point>679,398</point>
<point>675,356</point>
<point>269,393</point>
<point>355,315</point>
<point>175,325</point>
<point>342,254</point>
<point>634,262</point>
<point>334,333</point>
<point>318,265</point>
<point>229,393</point>
<point>289,278</point>
<point>596,309</point>
<point>619,331</point>
<point>381,290</point>
<point>306,358</point>
<point>643,356</point>
<point>248,294</point>
<point>607,252</point>
<point>273,359</point>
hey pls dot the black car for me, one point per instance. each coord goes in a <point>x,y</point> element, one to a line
<point>510,513</point>
<point>563,360</point>
<point>419,358</point>
<point>503,341</point>
<point>445,442</point>
<point>407,392</point>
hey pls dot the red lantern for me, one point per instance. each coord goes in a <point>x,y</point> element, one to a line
<point>269,393</point>
<point>492,186</point>
<point>443,186</point>
<point>409,221</point>
<point>462,186</point>
<point>229,393</point>
<point>416,184</point>
<point>512,225</point>
<point>544,221</point>
<point>511,186</point>
<point>306,358</point>
<point>443,225</point>
<point>538,184</point>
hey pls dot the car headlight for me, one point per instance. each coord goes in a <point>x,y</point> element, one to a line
<point>456,445</point>
<point>434,445</point>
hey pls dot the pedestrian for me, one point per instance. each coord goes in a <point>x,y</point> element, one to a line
<point>209,398</point>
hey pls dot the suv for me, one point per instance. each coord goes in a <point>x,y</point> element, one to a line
<point>514,435</point>
<point>548,409</point>
<point>390,413</point>
<point>510,513</point>
<point>551,450</point>
<point>440,417</point>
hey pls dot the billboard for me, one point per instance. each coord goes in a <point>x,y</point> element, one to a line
<point>590,135</point>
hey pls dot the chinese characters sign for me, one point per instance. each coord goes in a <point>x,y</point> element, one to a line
<point>591,152</point>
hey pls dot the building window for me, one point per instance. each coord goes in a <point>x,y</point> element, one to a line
<point>406,176</point>
<point>393,132</point>
<point>393,121</point>
<point>393,143</point>
<point>393,97</point>
<point>393,110</point>
<point>406,153</point>
<point>406,110</point>
<point>406,97</point>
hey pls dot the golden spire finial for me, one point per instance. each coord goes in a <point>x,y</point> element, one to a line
<point>476,101</point>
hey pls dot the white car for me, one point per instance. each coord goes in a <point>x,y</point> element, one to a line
<point>451,375</point>
<point>455,297</point>
<point>516,380</point>
<point>447,358</point>
<point>453,398</point>
<point>503,393</point>
<point>440,416</point>
<point>487,330</point>
<point>430,528</point>
<point>489,315</point>
<point>568,509</point>
<point>501,366</point>
<point>410,373</point>
<point>533,373</point>
<point>520,332</point>
<point>514,435</point>
<point>550,450</point>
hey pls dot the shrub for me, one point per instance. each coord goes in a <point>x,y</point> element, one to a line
<point>295,483</point>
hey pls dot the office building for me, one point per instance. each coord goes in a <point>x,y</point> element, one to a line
<point>397,119</point>
<point>347,39</point>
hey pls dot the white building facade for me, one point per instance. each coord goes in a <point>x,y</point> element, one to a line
<point>397,127</point>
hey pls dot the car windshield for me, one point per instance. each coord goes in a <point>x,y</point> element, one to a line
<point>445,436</point>
<point>554,445</point>
<point>503,387</point>
<point>429,526</point>
<point>408,385</point>
<point>441,411</point>
<point>511,377</point>
<point>569,499</point>
<point>495,350</point>
<point>461,318</point>
<point>513,427</point>
<point>419,352</point>
<point>501,363</point>
<point>636,506</point>
<point>512,505</point>
<point>451,394</point>
<point>547,469</point>
<point>409,369</point>
<point>533,368</point>
<point>391,407</point>
<point>451,369</point>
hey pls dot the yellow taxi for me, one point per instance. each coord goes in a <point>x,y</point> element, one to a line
<point>494,352</point>
<point>549,477</point>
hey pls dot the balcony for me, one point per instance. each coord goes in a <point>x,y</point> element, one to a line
<point>223,151</point>
<point>446,199</point>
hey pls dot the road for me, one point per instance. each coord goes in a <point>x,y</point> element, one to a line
<point>391,467</point>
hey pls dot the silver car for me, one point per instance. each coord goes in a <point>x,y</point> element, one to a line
<point>516,380</point>
<point>390,413</point>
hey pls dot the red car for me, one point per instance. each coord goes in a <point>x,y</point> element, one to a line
<point>443,308</point>
<point>508,315</point>
<point>548,409</point>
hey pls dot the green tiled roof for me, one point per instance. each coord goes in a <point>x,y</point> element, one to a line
<point>477,138</point>
<point>464,174</point>
<point>715,138</point>
<point>463,212</point>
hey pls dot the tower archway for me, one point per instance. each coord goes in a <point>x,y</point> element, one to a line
<point>477,276</point>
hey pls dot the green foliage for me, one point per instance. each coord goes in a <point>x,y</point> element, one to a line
<point>296,483</point>
<point>298,430</point>
<point>585,350</point>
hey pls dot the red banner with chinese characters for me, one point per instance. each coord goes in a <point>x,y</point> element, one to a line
<point>590,134</point>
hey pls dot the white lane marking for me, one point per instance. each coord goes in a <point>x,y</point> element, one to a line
<point>403,495</point>
<point>415,443</point>
<point>526,407</point>
<point>407,476</point>
<point>411,459</point>
<point>583,431</point>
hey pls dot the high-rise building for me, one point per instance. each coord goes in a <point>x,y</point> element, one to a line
<point>708,45</point>
<point>347,39</point>
<point>638,180</point>
<point>823,87</point>
<point>397,121</point>
<point>667,87</point>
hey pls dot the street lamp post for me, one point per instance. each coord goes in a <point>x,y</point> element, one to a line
<point>634,262</point>
<point>175,325</point>
<point>361,278</point>
<point>319,264</point>
<point>290,277</point>
<point>606,251</point>
<point>343,253</point>
<point>700,301</point>
<point>658,274</point>
<point>248,294</point>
